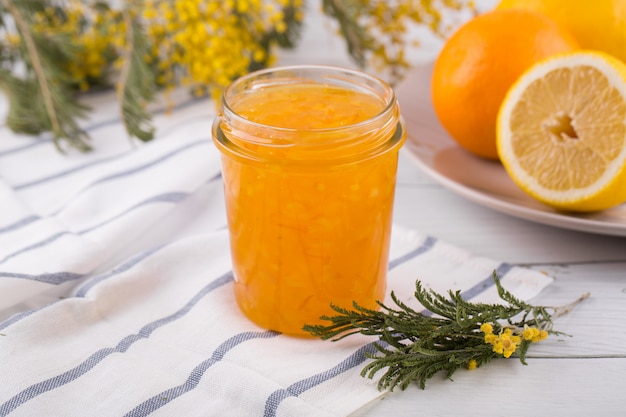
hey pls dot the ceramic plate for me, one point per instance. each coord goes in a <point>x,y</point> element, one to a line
<point>481,181</point>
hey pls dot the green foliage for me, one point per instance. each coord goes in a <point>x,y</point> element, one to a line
<point>51,50</point>
<point>414,346</point>
<point>358,40</point>
<point>137,85</point>
<point>39,101</point>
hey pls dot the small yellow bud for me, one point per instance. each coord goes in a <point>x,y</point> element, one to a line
<point>486,328</point>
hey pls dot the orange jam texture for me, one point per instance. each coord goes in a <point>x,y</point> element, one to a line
<point>305,237</point>
<point>308,106</point>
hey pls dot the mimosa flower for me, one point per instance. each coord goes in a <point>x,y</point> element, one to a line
<point>505,343</point>
<point>533,334</point>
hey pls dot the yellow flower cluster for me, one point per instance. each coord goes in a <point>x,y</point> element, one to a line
<point>506,342</point>
<point>533,334</point>
<point>205,44</point>
<point>391,24</point>
<point>94,34</point>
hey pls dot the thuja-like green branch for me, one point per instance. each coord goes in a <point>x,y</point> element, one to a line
<point>58,109</point>
<point>136,86</point>
<point>452,333</point>
<point>358,40</point>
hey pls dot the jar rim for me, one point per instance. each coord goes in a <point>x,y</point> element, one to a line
<point>390,101</point>
<point>395,140</point>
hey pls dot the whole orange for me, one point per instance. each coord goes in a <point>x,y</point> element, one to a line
<point>479,63</point>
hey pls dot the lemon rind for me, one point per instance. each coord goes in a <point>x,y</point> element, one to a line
<point>615,71</point>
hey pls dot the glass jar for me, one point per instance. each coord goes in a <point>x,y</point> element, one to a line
<point>309,160</point>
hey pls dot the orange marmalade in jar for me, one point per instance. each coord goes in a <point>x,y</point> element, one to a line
<point>309,159</point>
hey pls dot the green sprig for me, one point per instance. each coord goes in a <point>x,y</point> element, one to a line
<point>136,86</point>
<point>414,346</point>
<point>39,101</point>
<point>358,40</point>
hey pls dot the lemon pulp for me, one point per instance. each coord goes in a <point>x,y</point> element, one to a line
<point>562,131</point>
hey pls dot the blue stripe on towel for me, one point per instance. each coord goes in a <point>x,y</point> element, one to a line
<point>55,278</point>
<point>95,126</point>
<point>82,292</point>
<point>159,400</point>
<point>88,165</point>
<point>488,282</point>
<point>41,243</point>
<point>299,387</point>
<point>173,197</point>
<point>19,224</point>
<point>123,345</point>
<point>274,400</point>
<point>70,171</point>
<point>424,247</point>
<point>294,390</point>
<point>20,148</point>
<point>134,170</point>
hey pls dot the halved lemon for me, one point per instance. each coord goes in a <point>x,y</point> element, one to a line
<point>561,131</point>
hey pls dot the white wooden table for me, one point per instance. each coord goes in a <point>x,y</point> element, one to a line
<point>582,375</point>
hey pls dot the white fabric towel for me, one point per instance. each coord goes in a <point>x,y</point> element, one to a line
<point>116,293</point>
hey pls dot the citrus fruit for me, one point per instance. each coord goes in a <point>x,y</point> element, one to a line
<point>597,24</point>
<point>562,131</point>
<point>478,64</point>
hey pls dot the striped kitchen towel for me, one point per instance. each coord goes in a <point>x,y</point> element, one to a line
<point>116,293</point>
